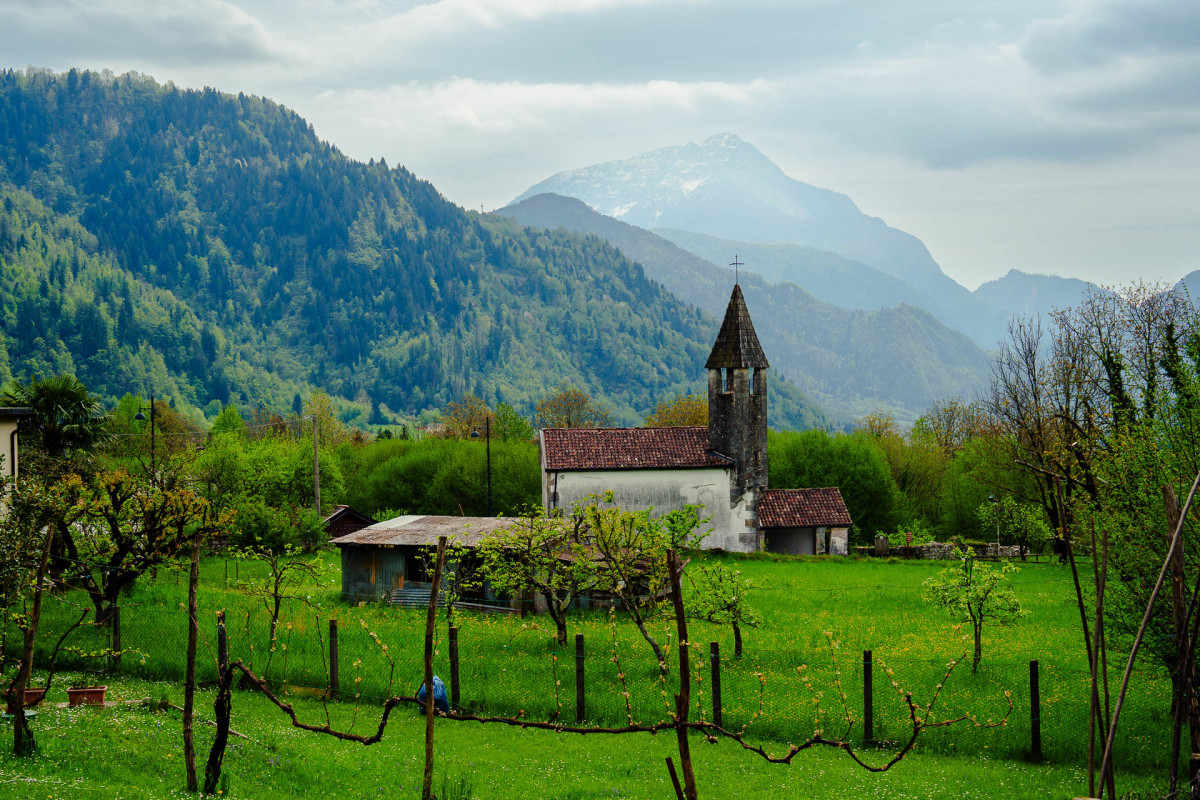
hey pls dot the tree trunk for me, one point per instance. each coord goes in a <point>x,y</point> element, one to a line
<point>23,741</point>
<point>430,622</point>
<point>558,614</point>
<point>683,700</point>
<point>654,645</point>
<point>737,640</point>
<point>222,709</point>
<point>978,625</point>
<point>189,681</point>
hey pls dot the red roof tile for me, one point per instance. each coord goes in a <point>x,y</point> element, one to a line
<point>802,508</point>
<point>629,448</point>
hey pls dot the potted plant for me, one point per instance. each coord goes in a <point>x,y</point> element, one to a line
<point>85,695</point>
<point>33,695</point>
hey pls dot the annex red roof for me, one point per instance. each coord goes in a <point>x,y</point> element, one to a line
<point>803,508</point>
<point>570,449</point>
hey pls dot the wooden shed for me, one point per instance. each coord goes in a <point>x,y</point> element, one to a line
<point>345,520</point>
<point>392,554</point>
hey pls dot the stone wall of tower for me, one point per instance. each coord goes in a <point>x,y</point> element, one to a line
<point>737,425</point>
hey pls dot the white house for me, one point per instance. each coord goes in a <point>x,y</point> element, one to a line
<point>722,467</point>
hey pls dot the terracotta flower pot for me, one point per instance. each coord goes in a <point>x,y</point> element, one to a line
<point>31,696</point>
<point>85,695</point>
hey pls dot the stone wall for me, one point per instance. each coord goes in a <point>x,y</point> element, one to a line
<point>943,551</point>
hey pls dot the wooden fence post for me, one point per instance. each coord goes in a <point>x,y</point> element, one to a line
<point>116,635</point>
<point>868,699</point>
<point>580,710</point>
<point>1035,712</point>
<point>714,660</point>
<point>454,695</point>
<point>333,657</point>
<point>222,643</point>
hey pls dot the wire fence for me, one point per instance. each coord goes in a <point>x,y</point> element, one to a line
<point>509,666</point>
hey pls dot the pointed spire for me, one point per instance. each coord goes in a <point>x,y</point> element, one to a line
<point>737,345</point>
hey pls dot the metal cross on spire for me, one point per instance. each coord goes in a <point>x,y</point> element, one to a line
<point>735,265</point>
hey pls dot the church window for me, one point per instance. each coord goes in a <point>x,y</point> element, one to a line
<point>751,380</point>
<point>724,380</point>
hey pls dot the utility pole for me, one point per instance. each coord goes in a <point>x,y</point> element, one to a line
<point>316,469</point>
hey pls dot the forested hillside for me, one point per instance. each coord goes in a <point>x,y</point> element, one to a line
<point>210,247</point>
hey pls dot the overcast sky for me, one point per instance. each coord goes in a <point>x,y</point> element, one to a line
<point>1056,136</point>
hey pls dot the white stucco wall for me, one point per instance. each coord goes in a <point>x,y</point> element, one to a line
<point>7,426</point>
<point>839,541</point>
<point>663,490</point>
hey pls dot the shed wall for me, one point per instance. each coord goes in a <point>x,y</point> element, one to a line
<point>368,573</point>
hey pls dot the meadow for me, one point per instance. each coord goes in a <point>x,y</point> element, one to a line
<point>819,614</point>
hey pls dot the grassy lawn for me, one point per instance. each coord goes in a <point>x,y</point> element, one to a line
<point>131,752</point>
<point>508,666</point>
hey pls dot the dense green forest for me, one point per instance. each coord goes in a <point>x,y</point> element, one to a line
<point>211,249</point>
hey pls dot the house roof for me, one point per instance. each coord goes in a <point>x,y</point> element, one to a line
<point>685,447</point>
<point>737,344</point>
<point>803,508</point>
<point>422,530</point>
<point>18,412</point>
<point>346,511</point>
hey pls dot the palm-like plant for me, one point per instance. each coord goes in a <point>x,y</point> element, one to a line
<point>66,417</point>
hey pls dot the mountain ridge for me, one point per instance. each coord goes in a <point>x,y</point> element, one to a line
<point>303,268</point>
<point>852,361</point>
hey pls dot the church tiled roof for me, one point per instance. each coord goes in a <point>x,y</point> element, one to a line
<point>737,345</point>
<point>802,508</point>
<point>570,449</point>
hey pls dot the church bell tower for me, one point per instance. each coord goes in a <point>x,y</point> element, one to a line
<point>737,398</point>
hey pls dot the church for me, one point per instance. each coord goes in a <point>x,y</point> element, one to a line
<point>722,467</point>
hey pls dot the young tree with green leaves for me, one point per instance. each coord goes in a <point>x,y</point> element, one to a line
<point>630,549</point>
<point>544,555</point>
<point>721,596</point>
<point>975,593</point>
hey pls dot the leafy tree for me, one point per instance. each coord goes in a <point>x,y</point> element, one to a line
<point>630,552</point>
<point>571,407</point>
<point>37,508</point>
<point>67,418</point>
<point>681,409</point>
<point>131,525</point>
<point>543,555</point>
<point>229,421</point>
<point>950,424</point>
<point>721,596</point>
<point>852,462</point>
<point>880,424</point>
<point>510,426</point>
<point>1022,523</point>
<point>462,417</point>
<point>975,593</point>
<point>277,539</point>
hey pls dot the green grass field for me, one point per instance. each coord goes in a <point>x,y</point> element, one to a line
<point>507,667</point>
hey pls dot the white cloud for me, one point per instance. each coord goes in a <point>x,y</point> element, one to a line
<point>162,33</point>
<point>502,108</point>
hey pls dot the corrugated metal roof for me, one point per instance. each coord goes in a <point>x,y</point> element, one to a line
<point>737,344</point>
<point>684,447</point>
<point>424,530</point>
<point>803,508</point>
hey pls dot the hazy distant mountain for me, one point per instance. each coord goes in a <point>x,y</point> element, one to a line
<point>1025,295</point>
<point>828,276</point>
<point>1191,284</point>
<point>851,361</point>
<point>726,188</point>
